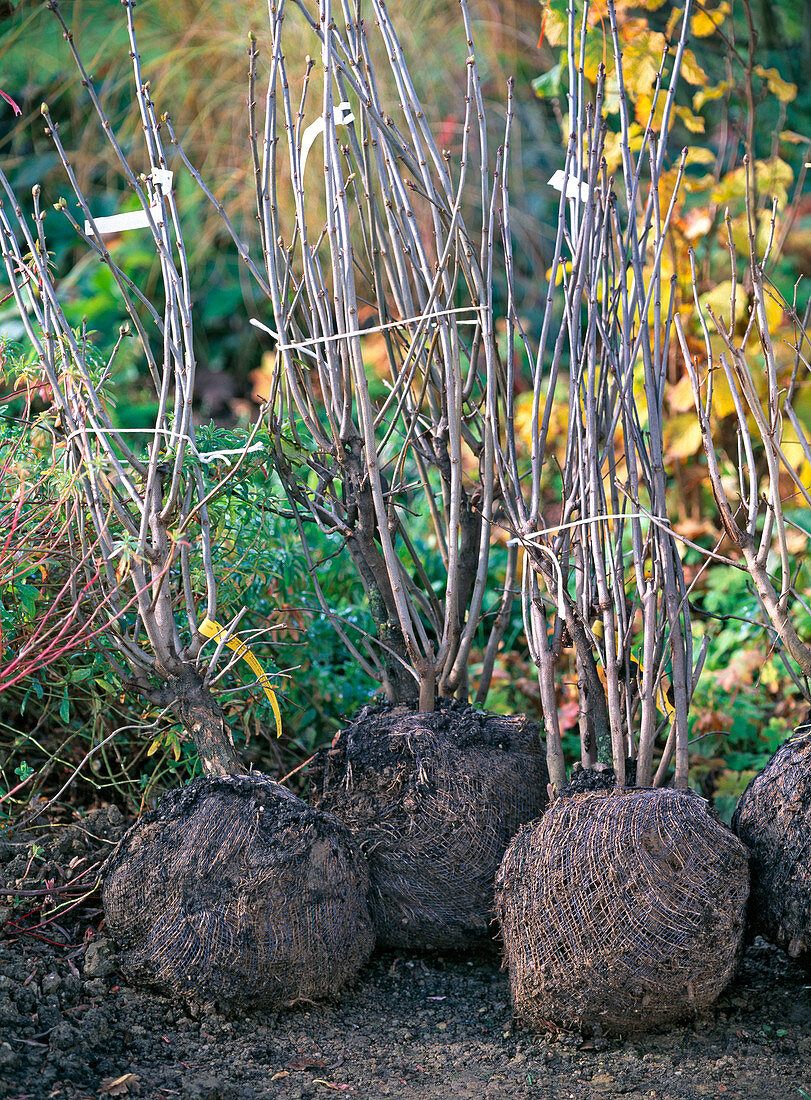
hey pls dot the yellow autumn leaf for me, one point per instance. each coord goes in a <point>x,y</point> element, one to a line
<point>773,176</point>
<point>694,184</point>
<point>596,53</point>
<point>558,423</point>
<point>802,406</point>
<point>612,146</point>
<point>700,154</point>
<point>774,312</point>
<point>611,98</point>
<point>704,22</point>
<point>649,272</point>
<point>673,21</point>
<point>642,57</point>
<point>680,396</point>
<point>706,95</point>
<point>723,402</point>
<point>770,676</point>
<point>559,272</point>
<point>793,138</point>
<point>794,452</point>
<point>682,436</point>
<point>740,232</point>
<point>791,440</point>
<point>691,70</point>
<point>209,629</point>
<point>555,27</point>
<point>784,91</point>
<point>694,123</point>
<point>718,299</point>
<point>153,748</point>
<point>642,110</point>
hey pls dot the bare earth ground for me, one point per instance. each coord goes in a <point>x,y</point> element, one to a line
<point>413,1027</point>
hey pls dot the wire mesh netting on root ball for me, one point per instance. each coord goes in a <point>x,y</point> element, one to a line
<point>773,819</point>
<point>622,909</point>
<point>434,800</point>
<point>235,891</point>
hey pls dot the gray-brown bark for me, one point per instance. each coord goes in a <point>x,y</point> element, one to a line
<point>203,721</point>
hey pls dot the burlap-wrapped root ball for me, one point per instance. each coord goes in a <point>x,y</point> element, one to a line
<point>622,909</point>
<point>434,800</point>
<point>773,819</point>
<point>234,891</point>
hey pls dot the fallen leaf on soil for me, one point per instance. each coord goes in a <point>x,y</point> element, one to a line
<point>120,1086</point>
<point>332,1085</point>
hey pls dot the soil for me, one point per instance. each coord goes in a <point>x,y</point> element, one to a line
<point>412,1027</point>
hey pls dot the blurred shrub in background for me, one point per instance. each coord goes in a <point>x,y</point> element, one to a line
<point>196,58</point>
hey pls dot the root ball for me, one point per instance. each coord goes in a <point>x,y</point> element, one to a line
<point>234,891</point>
<point>773,819</point>
<point>433,799</point>
<point>622,909</point>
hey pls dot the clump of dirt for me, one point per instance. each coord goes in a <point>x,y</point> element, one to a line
<point>598,778</point>
<point>433,799</point>
<point>622,910</point>
<point>232,890</point>
<point>411,1028</point>
<point>773,819</point>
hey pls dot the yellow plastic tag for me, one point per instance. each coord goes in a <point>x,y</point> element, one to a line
<point>210,629</point>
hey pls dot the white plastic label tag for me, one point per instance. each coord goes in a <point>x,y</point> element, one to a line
<point>136,219</point>
<point>571,186</point>
<point>342,115</point>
